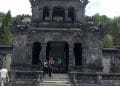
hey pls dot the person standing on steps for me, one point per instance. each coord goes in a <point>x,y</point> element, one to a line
<point>45,68</point>
<point>4,76</point>
<point>50,67</point>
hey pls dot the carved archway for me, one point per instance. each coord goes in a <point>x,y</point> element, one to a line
<point>59,51</point>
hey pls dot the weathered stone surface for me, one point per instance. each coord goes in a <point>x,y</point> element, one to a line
<point>78,30</point>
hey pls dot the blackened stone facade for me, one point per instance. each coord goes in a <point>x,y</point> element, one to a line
<point>58,29</point>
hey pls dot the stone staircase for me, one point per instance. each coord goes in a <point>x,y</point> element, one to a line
<point>56,80</point>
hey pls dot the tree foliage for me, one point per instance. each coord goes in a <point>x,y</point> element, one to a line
<point>6,21</point>
<point>2,15</point>
<point>108,41</point>
<point>16,20</point>
<point>113,29</point>
<point>5,30</point>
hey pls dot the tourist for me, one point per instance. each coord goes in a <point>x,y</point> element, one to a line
<point>45,67</point>
<point>51,64</point>
<point>4,76</point>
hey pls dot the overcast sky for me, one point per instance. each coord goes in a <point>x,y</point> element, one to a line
<point>111,8</point>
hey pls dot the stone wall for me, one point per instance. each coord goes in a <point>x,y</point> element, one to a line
<point>7,61</point>
<point>79,8</point>
<point>106,61</point>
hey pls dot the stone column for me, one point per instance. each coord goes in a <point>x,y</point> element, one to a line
<point>29,54</point>
<point>75,18</point>
<point>42,55</point>
<point>94,51</point>
<point>43,52</point>
<point>71,57</point>
<point>66,14</point>
<point>40,14</point>
<point>50,14</point>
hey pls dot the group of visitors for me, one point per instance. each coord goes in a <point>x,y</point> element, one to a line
<point>48,67</point>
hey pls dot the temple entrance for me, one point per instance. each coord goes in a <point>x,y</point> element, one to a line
<point>78,54</point>
<point>36,53</point>
<point>59,51</point>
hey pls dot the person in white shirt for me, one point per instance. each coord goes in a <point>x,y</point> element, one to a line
<point>4,76</point>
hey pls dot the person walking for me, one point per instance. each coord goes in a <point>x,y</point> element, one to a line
<point>4,76</point>
<point>45,68</point>
<point>50,67</point>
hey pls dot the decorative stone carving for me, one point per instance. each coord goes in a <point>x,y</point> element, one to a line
<point>84,2</point>
<point>92,26</point>
<point>33,2</point>
<point>41,31</point>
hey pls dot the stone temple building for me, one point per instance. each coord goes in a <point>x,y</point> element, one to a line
<point>59,29</point>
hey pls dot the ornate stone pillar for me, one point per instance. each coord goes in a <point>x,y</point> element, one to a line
<point>71,57</point>
<point>75,18</point>
<point>42,56</point>
<point>66,14</point>
<point>50,14</point>
<point>43,52</point>
<point>29,54</point>
<point>40,14</point>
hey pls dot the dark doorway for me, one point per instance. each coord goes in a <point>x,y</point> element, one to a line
<point>46,13</point>
<point>78,54</point>
<point>36,53</point>
<point>59,14</point>
<point>60,53</point>
<point>71,14</point>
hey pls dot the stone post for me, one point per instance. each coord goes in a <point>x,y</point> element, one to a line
<point>99,78</point>
<point>71,58</point>
<point>13,77</point>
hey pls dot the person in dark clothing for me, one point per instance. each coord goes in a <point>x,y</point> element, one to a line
<point>50,66</point>
<point>45,67</point>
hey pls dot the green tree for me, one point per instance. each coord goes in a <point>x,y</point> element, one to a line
<point>2,15</point>
<point>108,41</point>
<point>16,20</point>
<point>6,35</point>
<point>112,26</point>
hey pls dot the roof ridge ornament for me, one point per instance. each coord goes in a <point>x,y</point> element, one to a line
<point>84,2</point>
<point>33,2</point>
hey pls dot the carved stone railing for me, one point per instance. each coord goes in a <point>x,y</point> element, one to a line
<point>96,78</point>
<point>59,24</point>
<point>25,74</point>
<point>26,77</point>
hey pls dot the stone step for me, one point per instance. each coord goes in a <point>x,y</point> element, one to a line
<point>89,85</point>
<point>62,82</point>
<point>56,76</point>
<point>55,84</point>
<point>60,75</point>
<point>56,80</point>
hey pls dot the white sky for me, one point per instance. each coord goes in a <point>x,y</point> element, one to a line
<point>111,8</point>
